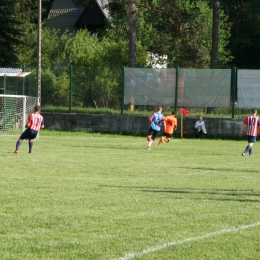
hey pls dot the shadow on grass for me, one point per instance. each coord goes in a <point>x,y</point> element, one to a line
<point>210,192</point>
<point>216,192</point>
<point>116,146</point>
<point>218,169</point>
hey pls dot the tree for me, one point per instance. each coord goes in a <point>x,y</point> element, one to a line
<point>27,10</point>
<point>180,29</point>
<point>9,34</point>
<point>245,34</point>
<point>132,33</point>
<point>192,36</point>
<point>215,35</point>
<point>53,47</point>
<point>27,13</point>
<point>215,41</point>
<point>97,67</point>
<point>17,18</point>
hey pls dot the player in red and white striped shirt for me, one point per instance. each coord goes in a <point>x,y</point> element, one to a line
<point>35,123</point>
<point>253,124</point>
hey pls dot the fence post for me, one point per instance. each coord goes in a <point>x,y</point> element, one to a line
<point>176,89</point>
<point>233,87</point>
<point>4,84</point>
<point>70,97</point>
<point>123,86</point>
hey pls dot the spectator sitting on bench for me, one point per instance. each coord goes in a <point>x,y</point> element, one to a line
<point>200,128</point>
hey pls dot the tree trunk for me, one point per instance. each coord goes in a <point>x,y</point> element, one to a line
<point>215,35</point>
<point>215,39</point>
<point>132,33</point>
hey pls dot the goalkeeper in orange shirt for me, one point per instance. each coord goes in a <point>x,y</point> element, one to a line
<point>170,125</point>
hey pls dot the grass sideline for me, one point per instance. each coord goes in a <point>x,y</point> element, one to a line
<point>99,196</point>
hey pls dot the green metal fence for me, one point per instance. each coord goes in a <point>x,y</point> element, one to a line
<point>107,87</point>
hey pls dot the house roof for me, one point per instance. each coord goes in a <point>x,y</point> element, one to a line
<point>102,4</point>
<point>64,14</point>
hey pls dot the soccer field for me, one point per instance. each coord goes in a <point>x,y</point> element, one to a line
<point>97,196</point>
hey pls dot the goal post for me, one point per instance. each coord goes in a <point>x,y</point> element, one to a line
<point>14,112</point>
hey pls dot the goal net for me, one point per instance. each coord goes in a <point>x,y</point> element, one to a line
<point>14,112</point>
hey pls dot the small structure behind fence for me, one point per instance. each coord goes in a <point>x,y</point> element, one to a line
<point>13,81</point>
<point>17,99</point>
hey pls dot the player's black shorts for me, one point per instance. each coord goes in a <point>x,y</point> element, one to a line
<point>153,133</point>
<point>167,135</point>
<point>29,134</point>
<point>251,139</point>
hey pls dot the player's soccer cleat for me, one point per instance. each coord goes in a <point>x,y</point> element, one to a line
<point>15,151</point>
<point>149,148</point>
<point>250,154</point>
<point>243,154</point>
<point>166,139</point>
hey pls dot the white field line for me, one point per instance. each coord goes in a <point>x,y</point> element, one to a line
<point>169,244</point>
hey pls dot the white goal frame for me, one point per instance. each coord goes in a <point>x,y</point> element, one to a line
<point>14,112</point>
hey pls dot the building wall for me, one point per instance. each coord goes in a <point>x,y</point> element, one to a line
<point>134,124</point>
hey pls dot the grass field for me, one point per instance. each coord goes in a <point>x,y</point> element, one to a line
<point>94,196</point>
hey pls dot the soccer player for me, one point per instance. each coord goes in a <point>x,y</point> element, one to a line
<point>156,120</point>
<point>170,125</point>
<point>253,123</point>
<point>35,123</point>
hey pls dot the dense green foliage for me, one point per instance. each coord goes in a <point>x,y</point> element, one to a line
<point>245,38</point>
<point>179,29</point>
<point>93,196</point>
<point>9,33</point>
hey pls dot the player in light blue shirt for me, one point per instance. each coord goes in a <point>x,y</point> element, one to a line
<point>155,120</point>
